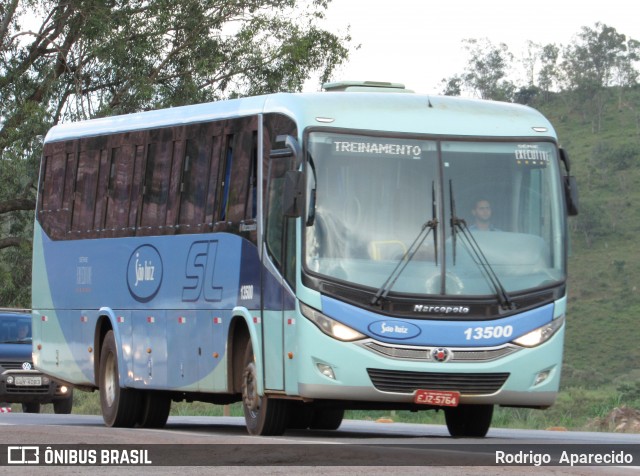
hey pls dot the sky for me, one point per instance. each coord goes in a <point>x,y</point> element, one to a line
<point>419,42</point>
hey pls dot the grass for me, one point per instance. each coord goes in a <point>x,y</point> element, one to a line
<point>604,267</point>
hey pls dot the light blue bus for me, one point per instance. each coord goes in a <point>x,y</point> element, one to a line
<point>364,247</point>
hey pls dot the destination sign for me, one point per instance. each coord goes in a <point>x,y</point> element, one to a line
<point>379,148</point>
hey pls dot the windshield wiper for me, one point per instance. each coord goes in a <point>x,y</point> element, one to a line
<point>408,255</point>
<point>459,225</point>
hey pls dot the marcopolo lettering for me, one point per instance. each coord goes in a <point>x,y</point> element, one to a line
<point>437,309</point>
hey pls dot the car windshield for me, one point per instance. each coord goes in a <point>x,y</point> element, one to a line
<point>15,329</point>
<point>375,195</point>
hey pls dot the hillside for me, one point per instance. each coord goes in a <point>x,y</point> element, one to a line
<point>603,331</point>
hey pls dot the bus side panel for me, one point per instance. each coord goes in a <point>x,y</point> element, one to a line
<point>52,353</point>
<point>173,286</point>
<point>184,349</point>
<point>149,348</point>
<point>212,330</point>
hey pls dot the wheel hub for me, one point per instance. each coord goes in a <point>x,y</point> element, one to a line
<point>250,396</point>
<point>110,381</point>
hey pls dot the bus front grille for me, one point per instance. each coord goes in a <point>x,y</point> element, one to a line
<point>399,381</point>
<point>424,353</point>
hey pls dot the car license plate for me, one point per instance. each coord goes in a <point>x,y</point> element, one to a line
<point>28,381</point>
<point>439,398</point>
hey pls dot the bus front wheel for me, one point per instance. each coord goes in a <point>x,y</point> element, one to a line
<point>468,420</point>
<point>327,419</point>
<point>120,406</point>
<point>263,415</point>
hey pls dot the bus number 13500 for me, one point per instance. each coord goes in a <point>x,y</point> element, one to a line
<point>489,332</point>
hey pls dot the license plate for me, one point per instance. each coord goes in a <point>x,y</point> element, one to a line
<point>28,381</point>
<point>437,398</point>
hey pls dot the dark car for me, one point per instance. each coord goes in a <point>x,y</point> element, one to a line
<point>19,381</point>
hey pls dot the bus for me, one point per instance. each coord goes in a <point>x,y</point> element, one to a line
<point>305,254</point>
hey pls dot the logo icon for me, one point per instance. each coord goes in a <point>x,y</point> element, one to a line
<point>26,365</point>
<point>441,354</point>
<point>23,455</point>
<point>394,329</point>
<point>144,273</point>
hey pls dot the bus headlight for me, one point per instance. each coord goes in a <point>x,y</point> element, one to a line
<point>541,334</point>
<point>330,327</point>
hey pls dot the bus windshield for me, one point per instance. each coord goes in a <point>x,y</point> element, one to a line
<point>374,195</point>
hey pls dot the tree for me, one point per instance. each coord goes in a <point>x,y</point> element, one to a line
<point>66,60</point>
<point>598,59</point>
<point>486,72</point>
<point>594,59</point>
<point>452,86</point>
<point>549,74</point>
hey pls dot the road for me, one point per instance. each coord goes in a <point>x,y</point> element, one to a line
<point>357,447</point>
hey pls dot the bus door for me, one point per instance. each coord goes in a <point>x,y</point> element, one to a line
<point>278,270</point>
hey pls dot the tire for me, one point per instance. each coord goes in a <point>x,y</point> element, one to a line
<point>64,407</point>
<point>327,419</point>
<point>154,410</point>
<point>468,420</point>
<point>300,416</point>
<point>120,406</point>
<point>31,407</point>
<point>263,415</point>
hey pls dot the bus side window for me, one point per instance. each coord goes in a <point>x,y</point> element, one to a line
<point>225,185</point>
<point>51,207</point>
<point>69,184</point>
<point>118,189</point>
<point>251,201</point>
<point>193,186</point>
<point>213,152</point>
<point>175,184</point>
<point>85,194</point>
<point>156,187</point>
<point>104,167</point>
<point>136,189</point>
<point>240,154</point>
<point>275,223</point>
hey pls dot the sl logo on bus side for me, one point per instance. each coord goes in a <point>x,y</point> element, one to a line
<point>144,273</point>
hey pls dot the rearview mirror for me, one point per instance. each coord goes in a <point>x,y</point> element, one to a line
<point>293,194</point>
<point>291,148</point>
<point>571,195</point>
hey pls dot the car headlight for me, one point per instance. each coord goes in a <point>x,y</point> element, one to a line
<point>329,326</point>
<point>541,334</point>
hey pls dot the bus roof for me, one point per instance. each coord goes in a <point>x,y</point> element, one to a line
<point>374,111</point>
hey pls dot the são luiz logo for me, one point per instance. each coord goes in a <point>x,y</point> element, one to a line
<point>144,273</point>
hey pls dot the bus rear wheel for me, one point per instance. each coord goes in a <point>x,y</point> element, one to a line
<point>154,410</point>
<point>468,420</point>
<point>120,406</point>
<point>263,415</point>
